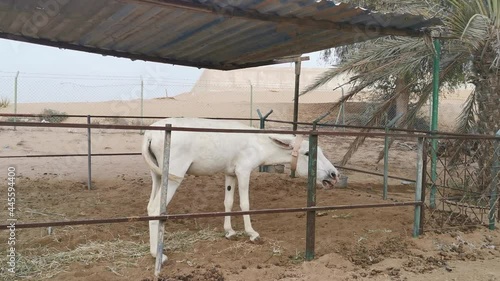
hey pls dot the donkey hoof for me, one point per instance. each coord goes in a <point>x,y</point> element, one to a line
<point>164,258</point>
<point>257,240</point>
<point>231,235</point>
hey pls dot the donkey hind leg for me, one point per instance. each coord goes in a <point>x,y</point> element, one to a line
<point>154,207</point>
<point>243,189</point>
<point>229,188</point>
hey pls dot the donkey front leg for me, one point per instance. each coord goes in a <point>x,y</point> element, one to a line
<point>243,188</point>
<point>228,204</point>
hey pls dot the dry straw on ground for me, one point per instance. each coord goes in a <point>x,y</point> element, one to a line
<point>43,264</point>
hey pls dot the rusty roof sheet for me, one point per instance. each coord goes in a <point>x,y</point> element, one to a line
<point>216,34</point>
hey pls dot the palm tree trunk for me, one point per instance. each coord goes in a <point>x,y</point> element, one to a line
<point>403,100</point>
<point>487,85</point>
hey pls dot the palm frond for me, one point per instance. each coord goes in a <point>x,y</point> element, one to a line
<point>466,120</point>
<point>447,67</point>
<point>466,123</point>
<point>374,119</point>
<point>322,79</point>
<point>354,91</point>
<point>383,58</point>
<point>406,118</point>
<point>476,31</point>
<point>381,153</point>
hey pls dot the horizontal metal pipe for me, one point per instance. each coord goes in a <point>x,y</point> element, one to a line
<point>373,173</point>
<point>438,135</point>
<point>111,116</point>
<point>70,155</point>
<point>207,215</point>
<point>138,153</point>
<point>189,129</point>
<point>349,126</point>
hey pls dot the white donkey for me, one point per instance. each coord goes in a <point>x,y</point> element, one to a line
<point>234,154</point>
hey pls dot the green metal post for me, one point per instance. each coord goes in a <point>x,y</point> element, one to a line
<point>263,126</point>
<point>418,187</point>
<point>434,124</point>
<point>142,105</point>
<point>15,98</point>
<point>311,194</point>
<point>495,170</point>
<point>386,153</point>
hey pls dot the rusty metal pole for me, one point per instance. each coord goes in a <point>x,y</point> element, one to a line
<point>163,199</point>
<point>424,186</point>
<point>89,157</point>
<point>311,194</point>
<point>15,98</point>
<point>298,65</point>
<point>418,187</point>
<point>263,168</point>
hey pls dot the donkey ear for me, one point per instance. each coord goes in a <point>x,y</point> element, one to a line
<point>282,142</point>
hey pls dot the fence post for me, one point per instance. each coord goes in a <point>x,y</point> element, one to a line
<point>298,65</point>
<point>342,109</point>
<point>424,184</point>
<point>495,170</point>
<point>251,103</point>
<point>163,199</point>
<point>89,157</point>
<point>311,194</point>
<point>386,153</point>
<point>263,168</point>
<point>142,106</point>
<point>15,98</point>
<point>434,124</point>
<point>418,187</point>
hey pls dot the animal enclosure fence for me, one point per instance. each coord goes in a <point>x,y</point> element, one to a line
<point>420,180</point>
<point>463,190</point>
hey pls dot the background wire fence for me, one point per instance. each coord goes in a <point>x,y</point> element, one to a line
<point>465,185</point>
<point>159,96</point>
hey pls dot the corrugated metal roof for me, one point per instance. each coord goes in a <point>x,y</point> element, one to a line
<point>218,34</point>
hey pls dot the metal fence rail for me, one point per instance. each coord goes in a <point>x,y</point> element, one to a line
<point>210,214</point>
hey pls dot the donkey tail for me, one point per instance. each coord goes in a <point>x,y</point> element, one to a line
<point>149,156</point>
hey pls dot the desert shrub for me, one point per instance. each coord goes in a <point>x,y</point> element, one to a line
<point>4,102</point>
<point>48,115</point>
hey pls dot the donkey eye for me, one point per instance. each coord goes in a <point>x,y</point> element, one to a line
<point>307,153</point>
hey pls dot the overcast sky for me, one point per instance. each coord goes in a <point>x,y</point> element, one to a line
<point>52,74</point>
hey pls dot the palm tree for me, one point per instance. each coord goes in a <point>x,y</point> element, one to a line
<point>470,54</point>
